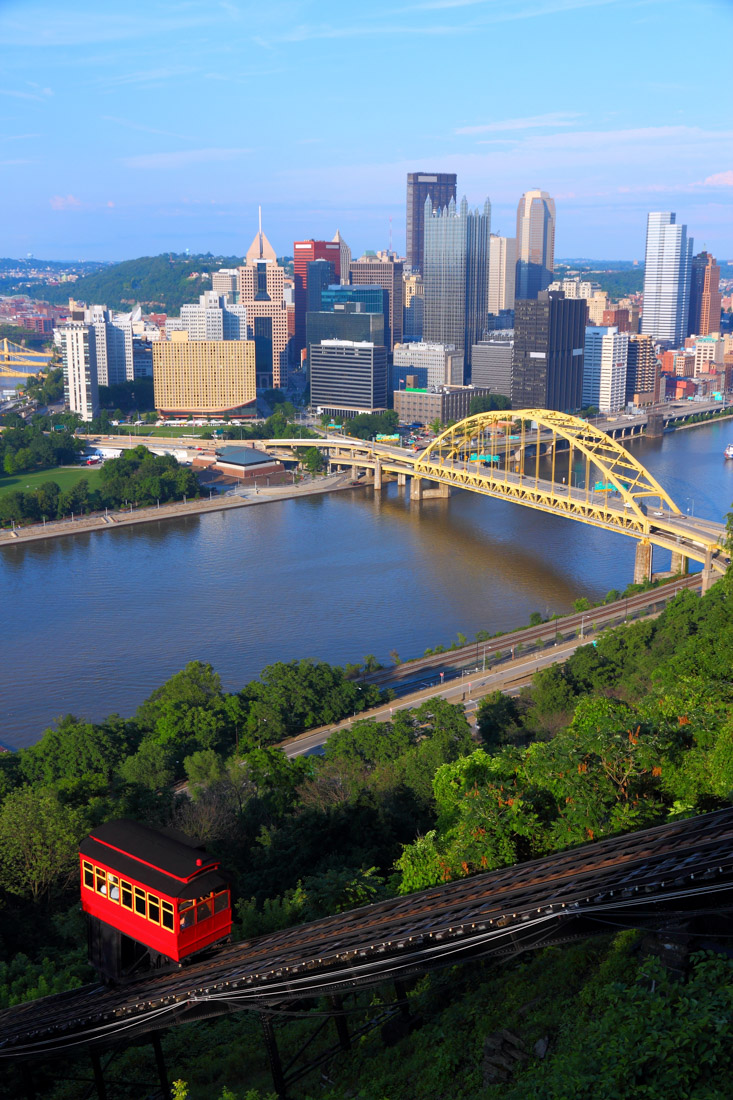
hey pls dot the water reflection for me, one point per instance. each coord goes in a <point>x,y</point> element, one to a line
<point>96,621</point>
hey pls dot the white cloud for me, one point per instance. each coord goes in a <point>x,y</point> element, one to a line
<point>65,202</point>
<point>720,179</point>
<point>532,122</point>
<point>183,157</point>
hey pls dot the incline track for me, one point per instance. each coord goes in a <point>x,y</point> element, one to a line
<point>672,871</point>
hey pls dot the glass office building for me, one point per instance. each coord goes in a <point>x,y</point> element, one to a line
<point>456,274</point>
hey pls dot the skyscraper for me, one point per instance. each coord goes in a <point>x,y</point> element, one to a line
<point>79,358</point>
<point>303,253</point>
<point>320,274</point>
<point>348,377</point>
<point>502,273</point>
<point>345,256</point>
<point>704,296</point>
<point>549,341</point>
<point>456,274</point>
<point>386,271</point>
<point>203,377</point>
<point>666,278</point>
<point>261,287</point>
<point>535,243</point>
<point>604,368</point>
<point>642,372</point>
<point>440,188</point>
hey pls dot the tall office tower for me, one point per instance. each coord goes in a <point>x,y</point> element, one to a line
<point>642,372</point>
<point>303,253</point>
<point>348,320</point>
<point>261,289</point>
<point>203,377</point>
<point>492,362</point>
<point>224,282</point>
<point>547,364</point>
<point>413,307</point>
<point>113,345</point>
<point>387,272</point>
<point>438,364</point>
<point>456,275</point>
<point>704,296</point>
<point>371,298</point>
<point>604,368</point>
<point>535,243</point>
<point>79,359</point>
<point>502,273</point>
<point>321,274</point>
<point>212,319</point>
<point>348,377</point>
<point>440,188</point>
<point>666,278</point>
<point>345,256</point>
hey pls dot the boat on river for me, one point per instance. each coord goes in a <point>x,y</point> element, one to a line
<point>728,452</point>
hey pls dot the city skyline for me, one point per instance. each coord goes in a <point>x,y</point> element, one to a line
<point>121,132</point>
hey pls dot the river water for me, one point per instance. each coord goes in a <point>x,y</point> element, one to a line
<point>93,623</point>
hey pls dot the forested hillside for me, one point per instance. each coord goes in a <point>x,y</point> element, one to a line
<point>633,732</point>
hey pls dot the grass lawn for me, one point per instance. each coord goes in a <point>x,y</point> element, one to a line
<point>64,476</point>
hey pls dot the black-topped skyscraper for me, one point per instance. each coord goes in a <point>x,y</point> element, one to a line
<point>549,341</point>
<point>440,187</point>
<point>456,274</point>
<point>535,243</point>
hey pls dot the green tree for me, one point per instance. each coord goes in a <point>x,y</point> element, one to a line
<point>39,840</point>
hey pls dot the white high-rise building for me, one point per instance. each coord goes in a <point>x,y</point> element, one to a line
<point>79,357</point>
<point>212,319</point>
<point>113,340</point>
<point>502,272</point>
<point>667,276</point>
<point>604,367</point>
<point>443,363</point>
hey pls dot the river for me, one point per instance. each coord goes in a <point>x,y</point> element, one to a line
<point>94,622</point>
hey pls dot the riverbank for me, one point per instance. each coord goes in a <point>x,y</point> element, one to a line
<point>222,503</point>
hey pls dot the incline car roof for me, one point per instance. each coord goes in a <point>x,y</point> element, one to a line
<point>167,851</point>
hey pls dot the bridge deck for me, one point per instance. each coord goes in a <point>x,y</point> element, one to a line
<point>655,874</point>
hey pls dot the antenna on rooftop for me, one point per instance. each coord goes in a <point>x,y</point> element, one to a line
<point>390,232</point>
<point>259,208</point>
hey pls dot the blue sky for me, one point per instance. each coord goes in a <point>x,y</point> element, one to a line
<point>136,128</point>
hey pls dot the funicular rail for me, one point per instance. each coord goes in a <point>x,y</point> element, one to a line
<point>651,876</point>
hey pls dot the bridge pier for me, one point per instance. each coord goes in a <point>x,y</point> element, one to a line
<point>439,489</point>
<point>402,479</point>
<point>680,564</point>
<point>654,425</point>
<point>416,489</point>
<point>377,474</point>
<point>643,562</point>
<point>708,577</point>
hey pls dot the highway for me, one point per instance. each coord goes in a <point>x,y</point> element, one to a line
<point>464,679</point>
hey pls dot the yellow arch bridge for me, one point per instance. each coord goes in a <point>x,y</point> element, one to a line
<point>549,461</point>
<point>20,362</point>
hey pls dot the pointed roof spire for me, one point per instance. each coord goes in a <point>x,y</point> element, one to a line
<point>260,249</point>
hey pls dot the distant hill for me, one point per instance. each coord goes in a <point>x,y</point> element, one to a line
<point>618,278</point>
<point>159,283</point>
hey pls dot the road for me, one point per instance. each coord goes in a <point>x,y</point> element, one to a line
<point>509,676</point>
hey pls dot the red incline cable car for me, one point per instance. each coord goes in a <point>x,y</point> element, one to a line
<point>152,897</point>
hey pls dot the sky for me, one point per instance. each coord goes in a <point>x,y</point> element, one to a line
<point>138,128</point>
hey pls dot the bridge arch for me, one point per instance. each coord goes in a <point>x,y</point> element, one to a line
<point>504,439</point>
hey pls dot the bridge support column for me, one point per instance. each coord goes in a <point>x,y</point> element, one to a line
<point>654,425</point>
<point>273,1054</point>
<point>377,474</point>
<point>416,488</point>
<point>680,564</point>
<point>401,479</point>
<point>643,562</point>
<point>708,577</point>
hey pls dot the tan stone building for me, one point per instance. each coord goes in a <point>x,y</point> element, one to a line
<point>203,377</point>
<point>261,287</point>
